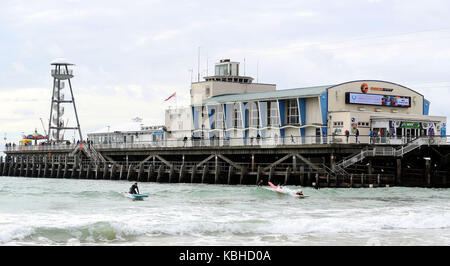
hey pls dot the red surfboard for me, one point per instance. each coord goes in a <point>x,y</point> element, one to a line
<point>275,188</point>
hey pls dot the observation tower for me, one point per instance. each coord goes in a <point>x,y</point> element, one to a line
<point>56,125</point>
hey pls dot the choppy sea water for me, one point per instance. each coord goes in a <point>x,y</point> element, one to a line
<point>41,211</point>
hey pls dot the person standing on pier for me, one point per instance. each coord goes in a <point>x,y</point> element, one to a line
<point>347,134</point>
<point>357,135</point>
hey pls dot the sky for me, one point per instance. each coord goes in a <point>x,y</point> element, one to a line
<point>131,55</point>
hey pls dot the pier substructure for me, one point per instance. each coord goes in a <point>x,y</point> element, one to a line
<point>427,166</point>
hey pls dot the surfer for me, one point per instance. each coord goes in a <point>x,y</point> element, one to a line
<point>260,183</point>
<point>134,188</point>
<point>299,193</point>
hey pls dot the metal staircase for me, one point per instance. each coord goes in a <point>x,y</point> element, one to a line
<point>90,152</point>
<point>383,151</point>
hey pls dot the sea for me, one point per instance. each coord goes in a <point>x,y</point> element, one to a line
<point>80,212</point>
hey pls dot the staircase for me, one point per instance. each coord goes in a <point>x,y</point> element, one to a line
<point>382,151</point>
<point>90,152</point>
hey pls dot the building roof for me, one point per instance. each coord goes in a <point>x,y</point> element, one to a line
<point>278,94</point>
<point>61,61</point>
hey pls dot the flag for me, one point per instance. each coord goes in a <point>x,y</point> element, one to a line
<point>173,95</point>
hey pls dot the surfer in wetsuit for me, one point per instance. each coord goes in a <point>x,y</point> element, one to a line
<point>134,188</point>
<point>260,183</point>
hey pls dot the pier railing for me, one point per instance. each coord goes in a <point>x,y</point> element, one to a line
<point>267,142</point>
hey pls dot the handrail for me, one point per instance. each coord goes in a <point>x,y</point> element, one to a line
<point>268,142</point>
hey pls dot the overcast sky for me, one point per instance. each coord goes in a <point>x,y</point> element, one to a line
<point>131,55</point>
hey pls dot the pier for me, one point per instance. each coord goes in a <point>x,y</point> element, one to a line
<point>421,162</point>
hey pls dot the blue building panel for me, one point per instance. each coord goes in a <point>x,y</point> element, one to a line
<point>263,114</point>
<point>426,107</point>
<point>302,108</point>
<point>281,105</point>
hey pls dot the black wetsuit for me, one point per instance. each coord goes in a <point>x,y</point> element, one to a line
<point>133,189</point>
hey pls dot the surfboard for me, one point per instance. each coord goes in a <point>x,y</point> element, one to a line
<point>275,188</point>
<point>135,196</point>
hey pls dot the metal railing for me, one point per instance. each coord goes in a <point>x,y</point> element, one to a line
<point>269,142</point>
<point>392,151</point>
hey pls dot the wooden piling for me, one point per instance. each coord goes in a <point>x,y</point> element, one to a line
<point>243,174</point>
<point>171,173</point>
<point>258,174</point>
<point>121,172</point>
<point>270,174</point>
<point>182,173</point>
<point>193,173</point>
<point>287,175</point>
<point>230,174</point>
<point>150,173</point>
<point>160,172</point>
<point>204,173</point>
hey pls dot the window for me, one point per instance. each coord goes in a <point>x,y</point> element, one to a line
<point>272,114</point>
<point>207,91</point>
<point>363,124</point>
<point>292,112</point>
<point>237,116</point>
<point>338,124</point>
<point>222,70</point>
<point>254,115</point>
<point>219,117</point>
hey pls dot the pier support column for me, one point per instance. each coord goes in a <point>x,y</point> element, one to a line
<point>112,175</point>
<point>58,172</point>
<point>217,170</point>
<point>258,174</point>
<point>294,164</point>
<point>150,173</point>
<point>130,168</point>
<point>243,174</point>
<point>141,170</point>
<point>205,173</point>
<point>399,172</point>
<point>193,173</point>
<point>45,167</point>
<point>21,166</point>
<point>182,173</point>
<point>287,176</point>
<point>270,174</point>
<point>88,171</point>
<point>97,169</point>
<point>302,176</point>
<point>38,174</point>
<point>171,173</point>
<point>427,173</point>
<point>121,172</point>
<point>80,174</point>
<point>332,161</point>
<point>160,172</point>
<point>230,174</point>
<point>105,170</point>
<point>52,172</point>
<point>66,169</point>
<point>33,166</point>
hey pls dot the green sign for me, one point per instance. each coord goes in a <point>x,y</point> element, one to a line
<point>410,124</point>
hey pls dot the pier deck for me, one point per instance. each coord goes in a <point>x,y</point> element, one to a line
<point>418,163</point>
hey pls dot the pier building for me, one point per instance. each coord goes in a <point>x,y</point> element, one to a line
<point>351,134</point>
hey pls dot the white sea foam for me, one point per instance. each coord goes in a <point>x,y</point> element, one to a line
<point>200,214</point>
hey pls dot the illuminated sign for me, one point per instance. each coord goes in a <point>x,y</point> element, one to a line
<point>377,99</point>
<point>365,88</point>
